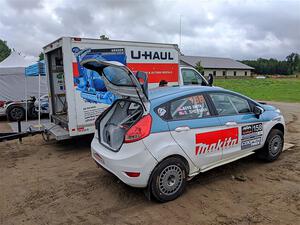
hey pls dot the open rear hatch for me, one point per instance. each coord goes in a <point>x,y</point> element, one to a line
<point>129,109</point>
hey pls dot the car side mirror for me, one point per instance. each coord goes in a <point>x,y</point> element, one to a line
<point>210,79</point>
<point>258,111</point>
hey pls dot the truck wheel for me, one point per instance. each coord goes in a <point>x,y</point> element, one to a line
<point>273,146</point>
<point>15,113</point>
<point>168,179</point>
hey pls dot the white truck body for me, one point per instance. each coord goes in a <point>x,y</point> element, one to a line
<point>72,115</point>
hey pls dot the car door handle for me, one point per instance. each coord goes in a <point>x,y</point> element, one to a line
<point>231,123</point>
<point>180,129</point>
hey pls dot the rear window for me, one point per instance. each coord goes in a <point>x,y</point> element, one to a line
<point>192,107</point>
<point>117,76</point>
<point>189,107</point>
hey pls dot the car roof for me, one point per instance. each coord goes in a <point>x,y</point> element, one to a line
<point>179,90</point>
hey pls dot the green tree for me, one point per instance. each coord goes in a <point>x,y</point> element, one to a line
<point>41,56</point>
<point>104,37</point>
<point>4,50</point>
<point>274,66</point>
<point>293,61</point>
<point>199,67</point>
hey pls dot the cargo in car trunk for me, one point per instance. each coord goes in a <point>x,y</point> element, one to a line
<point>114,124</point>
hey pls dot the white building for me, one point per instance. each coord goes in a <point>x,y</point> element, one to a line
<point>219,67</point>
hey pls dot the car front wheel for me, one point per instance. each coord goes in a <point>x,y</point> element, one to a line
<point>169,179</point>
<point>273,146</point>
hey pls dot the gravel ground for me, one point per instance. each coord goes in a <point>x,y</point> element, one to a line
<point>58,183</point>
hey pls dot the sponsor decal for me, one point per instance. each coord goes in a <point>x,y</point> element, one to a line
<point>216,140</point>
<point>251,135</point>
<point>251,142</point>
<point>161,111</point>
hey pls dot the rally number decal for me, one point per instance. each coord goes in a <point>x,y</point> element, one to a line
<point>251,135</point>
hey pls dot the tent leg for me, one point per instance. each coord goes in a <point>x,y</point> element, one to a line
<point>26,103</point>
<point>39,98</point>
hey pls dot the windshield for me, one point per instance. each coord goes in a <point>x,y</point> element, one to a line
<point>118,76</point>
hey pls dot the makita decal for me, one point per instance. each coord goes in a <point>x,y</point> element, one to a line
<point>216,140</point>
<point>151,55</point>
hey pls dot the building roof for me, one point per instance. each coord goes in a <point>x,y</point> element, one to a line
<point>214,62</point>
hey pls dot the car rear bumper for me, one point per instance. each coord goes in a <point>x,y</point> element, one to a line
<point>132,157</point>
<point>2,111</point>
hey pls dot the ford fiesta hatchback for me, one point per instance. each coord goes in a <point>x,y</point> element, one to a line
<point>161,138</point>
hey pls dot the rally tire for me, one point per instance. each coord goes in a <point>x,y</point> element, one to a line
<point>273,146</point>
<point>168,180</point>
<point>16,113</point>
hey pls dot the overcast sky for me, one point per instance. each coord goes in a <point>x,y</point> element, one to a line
<point>237,29</point>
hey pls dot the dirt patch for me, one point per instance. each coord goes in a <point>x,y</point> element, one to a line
<point>58,183</point>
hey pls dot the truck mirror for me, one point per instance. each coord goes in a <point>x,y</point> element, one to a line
<point>210,79</point>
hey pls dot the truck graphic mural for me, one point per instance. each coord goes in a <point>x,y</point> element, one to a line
<point>89,83</point>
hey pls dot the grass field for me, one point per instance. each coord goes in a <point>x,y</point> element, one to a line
<point>283,90</point>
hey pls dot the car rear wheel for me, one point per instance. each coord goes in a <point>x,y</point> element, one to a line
<point>168,179</point>
<point>273,146</point>
<point>16,113</point>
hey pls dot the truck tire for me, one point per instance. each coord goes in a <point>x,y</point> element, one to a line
<point>15,113</point>
<point>273,146</point>
<point>168,179</point>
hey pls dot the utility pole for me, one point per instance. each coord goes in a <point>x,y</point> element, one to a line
<point>180,31</point>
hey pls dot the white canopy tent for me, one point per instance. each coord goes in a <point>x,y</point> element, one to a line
<point>13,81</point>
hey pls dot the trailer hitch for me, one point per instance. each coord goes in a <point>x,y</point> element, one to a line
<point>7,136</point>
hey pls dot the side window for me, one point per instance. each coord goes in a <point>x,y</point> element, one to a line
<point>192,107</point>
<point>227,104</point>
<point>241,104</point>
<point>190,77</point>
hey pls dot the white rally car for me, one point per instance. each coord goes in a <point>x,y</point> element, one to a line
<point>161,138</point>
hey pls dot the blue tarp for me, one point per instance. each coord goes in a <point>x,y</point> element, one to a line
<point>36,69</point>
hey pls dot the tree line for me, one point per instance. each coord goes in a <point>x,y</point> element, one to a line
<point>289,66</point>
<point>4,50</point>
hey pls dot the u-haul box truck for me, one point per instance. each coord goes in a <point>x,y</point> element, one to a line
<point>77,96</point>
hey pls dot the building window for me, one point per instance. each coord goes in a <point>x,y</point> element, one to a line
<point>215,73</point>
<point>246,73</point>
<point>234,73</point>
<point>224,73</point>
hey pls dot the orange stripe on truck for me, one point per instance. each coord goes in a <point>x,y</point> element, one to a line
<point>156,71</point>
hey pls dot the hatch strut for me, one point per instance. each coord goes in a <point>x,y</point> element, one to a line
<point>137,92</point>
<point>140,99</point>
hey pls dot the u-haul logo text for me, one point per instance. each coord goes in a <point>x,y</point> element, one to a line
<point>216,140</point>
<point>151,55</point>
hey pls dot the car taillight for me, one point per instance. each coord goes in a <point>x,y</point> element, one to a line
<point>140,130</point>
<point>2,103</point>
<point>133,174</point>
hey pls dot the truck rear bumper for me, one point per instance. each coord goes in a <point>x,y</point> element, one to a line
<point>57,131</point>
